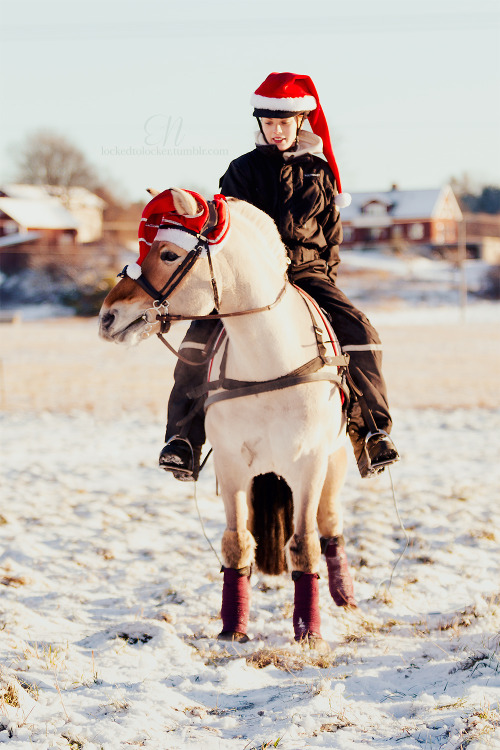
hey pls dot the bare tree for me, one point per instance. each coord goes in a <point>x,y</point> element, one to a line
<point>47,158</point>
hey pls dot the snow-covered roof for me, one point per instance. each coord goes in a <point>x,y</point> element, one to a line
<point>74,195</point>
<point>46,213</point>
<point>405,204</point>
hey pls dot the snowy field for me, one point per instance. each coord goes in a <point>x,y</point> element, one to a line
<point>110,591</point>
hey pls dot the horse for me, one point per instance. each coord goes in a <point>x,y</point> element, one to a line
<point>279,449</point>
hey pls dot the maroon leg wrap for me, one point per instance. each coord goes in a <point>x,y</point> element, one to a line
<point>235,600</point>
<point>306,617</point>
<point>339,578</point>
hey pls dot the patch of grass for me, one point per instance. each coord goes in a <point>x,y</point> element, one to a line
<point>133,639</point>
<point>52,656</point>
<point>460,619</point>
<point>479,724</point>
<point>265,586</point>
<point>165,617</point>
<point>475,660</point>
<point>383,596</point>
<point>32,690</point>
<point>172,597</point>
<point>265,745</point>
<point>116,706</point>
<point>8,580</point>
<point>215,657</point>
<point>459,703</point>
<point>288,660</point>
<point>75,743</point>
<point>365,628</point>
<point>485,533</point>
<point>334,726</point>
<point>9,695</point>
<point>424,560</point>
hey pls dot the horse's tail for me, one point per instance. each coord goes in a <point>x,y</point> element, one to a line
<point>272,522</point>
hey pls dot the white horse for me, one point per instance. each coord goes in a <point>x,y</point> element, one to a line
<point>279,455</point>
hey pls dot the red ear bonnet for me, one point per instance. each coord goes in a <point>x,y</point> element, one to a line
<point>160,221</point>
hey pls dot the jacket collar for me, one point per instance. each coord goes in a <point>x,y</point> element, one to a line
<point>309,143</point>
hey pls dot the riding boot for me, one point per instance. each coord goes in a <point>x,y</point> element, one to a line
<point>181,458</point>
<point>369,421</point>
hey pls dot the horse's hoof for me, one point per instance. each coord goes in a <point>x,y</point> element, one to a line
<point>231,635</point>
<point>315,643</point>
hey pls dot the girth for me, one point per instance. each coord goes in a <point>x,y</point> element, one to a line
<point>286,381</point>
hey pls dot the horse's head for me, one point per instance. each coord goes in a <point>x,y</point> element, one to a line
<point>123,316</point>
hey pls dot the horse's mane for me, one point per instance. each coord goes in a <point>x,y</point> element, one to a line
<point>263,224</point>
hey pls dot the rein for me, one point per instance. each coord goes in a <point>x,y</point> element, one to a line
<point>166,320</point>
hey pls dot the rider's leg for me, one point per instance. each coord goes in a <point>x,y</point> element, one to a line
<point>369,422</point>
<point>185,435</point>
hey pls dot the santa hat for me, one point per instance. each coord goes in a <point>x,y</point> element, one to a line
<point>160,221</point>
<point>288,94</point>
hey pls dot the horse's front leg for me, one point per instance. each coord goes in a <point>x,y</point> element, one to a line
<point>238,547</point>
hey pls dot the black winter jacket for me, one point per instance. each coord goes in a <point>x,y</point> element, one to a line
<point>298,193</point>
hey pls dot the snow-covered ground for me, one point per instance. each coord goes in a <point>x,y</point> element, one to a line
<point>111,593</point>
<point>110,589</point>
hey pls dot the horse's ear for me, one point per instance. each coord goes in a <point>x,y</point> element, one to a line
<point>153,192</point>
<point>184,203</point>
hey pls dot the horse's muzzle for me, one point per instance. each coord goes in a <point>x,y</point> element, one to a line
<point>106,321</point>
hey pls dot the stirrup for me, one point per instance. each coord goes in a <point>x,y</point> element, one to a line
<point>181,458</point>
<point>386,453</point>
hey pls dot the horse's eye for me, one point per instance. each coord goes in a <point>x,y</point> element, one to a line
<point>169,256</point>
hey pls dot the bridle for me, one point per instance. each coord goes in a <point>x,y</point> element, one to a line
<point>160,296</point>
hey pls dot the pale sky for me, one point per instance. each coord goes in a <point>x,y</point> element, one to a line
<point>411,90</point>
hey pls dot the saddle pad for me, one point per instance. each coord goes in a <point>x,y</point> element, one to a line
<point>330,337</point>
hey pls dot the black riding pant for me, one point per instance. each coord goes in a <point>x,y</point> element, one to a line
<point>187,377</point>
<point>360,340</point>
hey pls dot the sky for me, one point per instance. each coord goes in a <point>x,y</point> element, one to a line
<point>156,94</point>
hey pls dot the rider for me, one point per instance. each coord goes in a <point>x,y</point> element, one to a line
<point>286,178</point>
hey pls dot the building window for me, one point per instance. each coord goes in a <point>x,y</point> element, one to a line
<point>440,235</point>
<point>416,231</point>
<point>375,209</point>
<point>348,234</point>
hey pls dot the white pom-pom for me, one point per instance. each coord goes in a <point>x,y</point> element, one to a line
<point>133,270</point>
<point>342,200</point>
